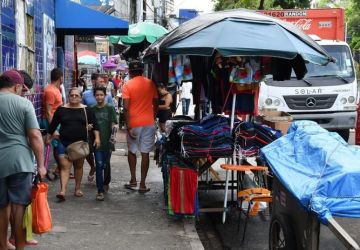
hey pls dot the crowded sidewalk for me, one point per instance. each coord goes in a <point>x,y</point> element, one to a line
<point>125,220</point>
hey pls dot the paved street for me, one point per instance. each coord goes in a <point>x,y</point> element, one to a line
<point>125,220</point>
<point>128,220</point>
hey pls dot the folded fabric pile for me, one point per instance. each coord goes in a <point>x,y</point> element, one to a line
<point>249,137</point>
<point>209,137</point>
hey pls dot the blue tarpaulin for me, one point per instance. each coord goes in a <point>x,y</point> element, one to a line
<point>319,168</point>
<point>74,19</point>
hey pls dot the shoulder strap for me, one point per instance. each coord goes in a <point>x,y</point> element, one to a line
<point>87,130</point>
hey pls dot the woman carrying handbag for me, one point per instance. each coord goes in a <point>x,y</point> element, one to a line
<point>76,122</point>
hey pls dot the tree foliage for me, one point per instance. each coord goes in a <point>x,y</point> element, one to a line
<point>260,4</point>
<point>353,23</point>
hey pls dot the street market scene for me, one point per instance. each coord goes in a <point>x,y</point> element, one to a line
<point>179,124</point>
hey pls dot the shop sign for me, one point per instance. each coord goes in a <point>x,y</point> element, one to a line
<point>84,39</point>
<point>103,58</point>
<point>102,47</point>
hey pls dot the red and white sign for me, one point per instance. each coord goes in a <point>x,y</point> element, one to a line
<point>325,23</point>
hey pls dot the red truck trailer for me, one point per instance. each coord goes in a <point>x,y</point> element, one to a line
<point>328,24</point>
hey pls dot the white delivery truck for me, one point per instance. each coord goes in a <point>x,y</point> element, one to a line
<point>326,94</point>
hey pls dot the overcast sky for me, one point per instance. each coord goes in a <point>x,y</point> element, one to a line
<point>204,6</point>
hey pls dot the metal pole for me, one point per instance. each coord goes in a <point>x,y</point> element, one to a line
<point>227,171</point>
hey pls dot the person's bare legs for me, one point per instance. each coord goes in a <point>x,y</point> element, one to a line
<point>65,166</point>
<point>132,166</point>
<point>145,161</point>
<point>90,159</point>
<point>78,172</point>
<point>18,212</point>
<point>4,222</point>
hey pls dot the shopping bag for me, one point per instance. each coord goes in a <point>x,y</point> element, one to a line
<point>27,223</point>
<point>41,216</point>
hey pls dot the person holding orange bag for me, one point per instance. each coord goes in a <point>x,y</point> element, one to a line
<point>20,137</point>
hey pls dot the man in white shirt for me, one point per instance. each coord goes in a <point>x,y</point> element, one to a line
<point>185,93</point>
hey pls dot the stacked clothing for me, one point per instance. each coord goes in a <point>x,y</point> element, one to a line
<point>251,137</point>
<point>209,137</point>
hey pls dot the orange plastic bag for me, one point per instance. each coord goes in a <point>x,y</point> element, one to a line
<point>41,216</point>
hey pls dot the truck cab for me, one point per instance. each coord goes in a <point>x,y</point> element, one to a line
<point>326,94</point>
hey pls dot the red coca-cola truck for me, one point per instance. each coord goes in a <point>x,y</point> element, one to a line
<point>327,94</point>
<point>328,24</point>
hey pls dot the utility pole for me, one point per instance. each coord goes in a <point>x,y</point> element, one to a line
<point>163,13</point>
<point>133,11</point>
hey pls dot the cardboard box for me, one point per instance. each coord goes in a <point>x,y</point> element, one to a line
<point>277,120</point>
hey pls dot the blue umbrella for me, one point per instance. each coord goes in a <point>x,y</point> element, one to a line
<point>239,33</point>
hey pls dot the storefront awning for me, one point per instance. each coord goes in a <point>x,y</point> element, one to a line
<point>74,19</point>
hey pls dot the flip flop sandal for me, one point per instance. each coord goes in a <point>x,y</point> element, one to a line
<point>78,194</point>
<point>100,197</point>
<point>91,178</point>
<point>61,197</point>
<point>143,190</point>
<point>130,185</point>
<point>32,242</point>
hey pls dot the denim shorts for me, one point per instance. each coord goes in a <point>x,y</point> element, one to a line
<point>16,189</point>
<point>60,149</point>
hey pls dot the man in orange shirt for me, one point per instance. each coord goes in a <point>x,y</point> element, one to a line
<point>140,100</point>
<point>52,100</point>
<point>52,94</point>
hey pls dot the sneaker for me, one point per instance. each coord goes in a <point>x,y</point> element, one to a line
<point>100,197</point>
<point>106,188</point>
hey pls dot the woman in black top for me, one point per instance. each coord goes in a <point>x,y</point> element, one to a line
<point>164,111</point>
<point>72,121</point>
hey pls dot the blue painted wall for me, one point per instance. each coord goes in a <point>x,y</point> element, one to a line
<point>9,46</point>
<point>8,34</point>
<point>41,7</point>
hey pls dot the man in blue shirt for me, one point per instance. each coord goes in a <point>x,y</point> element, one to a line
<point>89,100</point>
<point>88,96</point>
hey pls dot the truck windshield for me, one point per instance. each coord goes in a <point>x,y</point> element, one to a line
<point>343,67</point>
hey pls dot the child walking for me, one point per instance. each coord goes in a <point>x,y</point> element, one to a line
<point>106,117</point>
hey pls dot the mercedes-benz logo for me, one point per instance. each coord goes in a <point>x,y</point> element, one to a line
<point>310,102</point>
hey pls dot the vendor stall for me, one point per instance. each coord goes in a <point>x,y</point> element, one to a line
<point>227,55</point>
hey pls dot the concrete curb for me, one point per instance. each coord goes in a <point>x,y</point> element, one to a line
<point>192,235</point>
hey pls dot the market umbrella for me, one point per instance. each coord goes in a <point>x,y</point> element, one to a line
<point>87,57</point>
<point>109,65</point>
<point>138,32</point>
<point>239,33</point>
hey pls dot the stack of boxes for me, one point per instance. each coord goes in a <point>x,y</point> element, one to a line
<point>277,120</point>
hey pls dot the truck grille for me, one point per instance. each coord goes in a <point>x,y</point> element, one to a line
<point>296,102</point>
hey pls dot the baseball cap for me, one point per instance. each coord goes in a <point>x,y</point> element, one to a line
<point>14,76</point>
<point>136,65</point>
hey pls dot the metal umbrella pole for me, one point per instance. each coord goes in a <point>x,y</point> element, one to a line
<point>228,161</point>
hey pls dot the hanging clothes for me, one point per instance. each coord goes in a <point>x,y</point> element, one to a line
<point>183,188</point>
<point>179,69</point>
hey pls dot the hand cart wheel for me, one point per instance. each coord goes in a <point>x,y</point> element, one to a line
<point>281,235</point>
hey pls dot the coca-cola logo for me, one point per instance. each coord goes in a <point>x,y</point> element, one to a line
<point>303,24</point>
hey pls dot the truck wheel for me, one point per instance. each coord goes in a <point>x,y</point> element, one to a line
<point>344,133</point>
<point>281,235</point>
